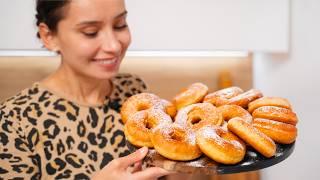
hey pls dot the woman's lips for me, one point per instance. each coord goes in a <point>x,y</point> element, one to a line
<point>106,61</point>
<point>109,64</point>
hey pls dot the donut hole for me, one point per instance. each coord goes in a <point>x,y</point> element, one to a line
<point>195,115</point>
<point>195,120</point>
<point>176,135</point>
<point>149,125</point>
<point>142,107</point>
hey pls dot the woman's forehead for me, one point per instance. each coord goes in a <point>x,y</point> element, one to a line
<point>87,10</point>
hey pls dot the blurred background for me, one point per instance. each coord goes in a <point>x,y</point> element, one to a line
<point>269,45</point>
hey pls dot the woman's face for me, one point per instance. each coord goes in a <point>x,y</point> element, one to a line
<point>93,37</point>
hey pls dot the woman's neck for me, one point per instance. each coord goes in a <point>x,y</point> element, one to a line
<point>78,88</point>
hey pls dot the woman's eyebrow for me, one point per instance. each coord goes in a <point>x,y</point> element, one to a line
<point>99,22</point>
<point>121,14</point>
<point>89,23</point>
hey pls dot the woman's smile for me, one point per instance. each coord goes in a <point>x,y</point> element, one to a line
<point>107,63</point>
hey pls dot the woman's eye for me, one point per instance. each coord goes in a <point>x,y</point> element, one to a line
<point>90,34</point>
<point>121,27</point>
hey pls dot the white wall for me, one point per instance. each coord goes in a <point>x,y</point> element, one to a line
<point>209,25</point>
<point>296,76</point>
<point>173,25</point>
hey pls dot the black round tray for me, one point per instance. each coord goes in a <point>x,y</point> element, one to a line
<point>252,161</point>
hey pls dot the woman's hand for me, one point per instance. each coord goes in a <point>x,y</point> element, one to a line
<point>117,168</point>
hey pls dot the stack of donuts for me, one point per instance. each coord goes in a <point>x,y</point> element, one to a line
<point>220,124</point>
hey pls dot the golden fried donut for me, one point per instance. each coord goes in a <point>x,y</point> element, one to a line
<point>144,101</point>
<point>278,131</point>
<point>170,109</point>
<point>245,98</point>
<point>276,113</point>
<point>175,142</point>
<point>220,145</point>
<point>193,94</point>
<point>230,111</point>
<point>259,141</point>
<point>138,127</point>
<point>197,115</point>
<point>269,101</point>
<point>137,103</point>
<point>222,96</point>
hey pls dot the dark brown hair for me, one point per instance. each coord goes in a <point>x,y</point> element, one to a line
<point>50,12</point>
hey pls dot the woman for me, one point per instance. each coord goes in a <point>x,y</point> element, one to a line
<point>68,125</point>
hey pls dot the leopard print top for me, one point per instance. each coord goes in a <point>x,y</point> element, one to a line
<point>44,136</point>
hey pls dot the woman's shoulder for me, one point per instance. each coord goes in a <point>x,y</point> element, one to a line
<point>14,111</point>
<point>124,86</point>
<point>21,99</point>
<point>129,82</point>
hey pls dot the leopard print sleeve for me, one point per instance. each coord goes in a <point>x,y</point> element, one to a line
<point>131,84</point>
<point>137,86</point>
<point>16,147</point>
<point>43,136</point>
<point>126,85</point>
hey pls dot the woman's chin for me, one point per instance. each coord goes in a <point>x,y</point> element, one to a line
<point>106,75</point>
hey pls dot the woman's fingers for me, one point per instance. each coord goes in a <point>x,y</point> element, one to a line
<point>137,167</point>
<point>138,155</point>
<point>151,173</point>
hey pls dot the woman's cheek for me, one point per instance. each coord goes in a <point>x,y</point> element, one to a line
<point>87,49</point>
<point>127,39</point>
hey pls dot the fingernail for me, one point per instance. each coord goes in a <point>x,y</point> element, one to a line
<point>143,150</point>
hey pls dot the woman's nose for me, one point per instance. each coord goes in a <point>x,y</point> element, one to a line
<point>111,43</point>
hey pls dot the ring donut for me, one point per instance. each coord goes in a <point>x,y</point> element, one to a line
<point>222,96</point>
<point>230,111</point>
<point>199,114</point>
<point>144,101</point>
<point>170,109</point>
<point>245,98</point>
<point>138,102</point>
<point>220,145</point>
<point>193,94</point>
<point>175,142</point>
<point>139,126</point>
